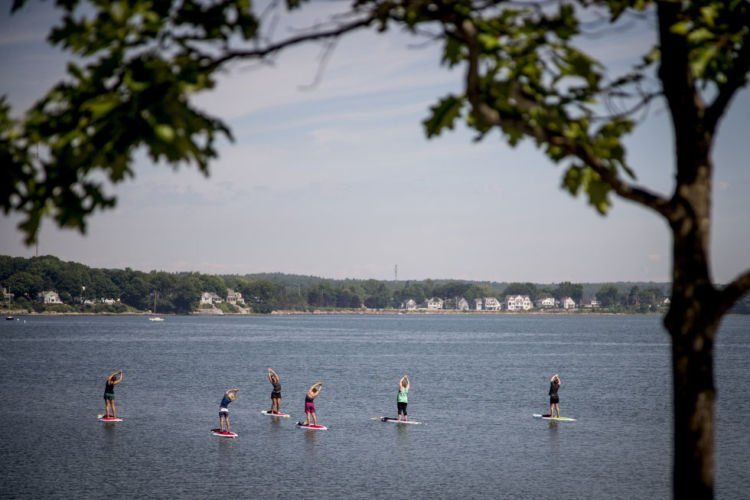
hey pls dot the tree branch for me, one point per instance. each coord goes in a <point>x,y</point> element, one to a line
<point>734,291</point>
<point>736,79</point>
<point>262,52</point>
<point>491,116</point>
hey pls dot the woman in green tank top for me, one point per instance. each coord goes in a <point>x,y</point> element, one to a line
<point>403,397</point>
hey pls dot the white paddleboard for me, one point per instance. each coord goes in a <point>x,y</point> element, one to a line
<point>109,419</point>
<point>392,420</point>
<point>555,419</point>
<point>224,434</point>
<point>312,427</point>
<point>281,415</point>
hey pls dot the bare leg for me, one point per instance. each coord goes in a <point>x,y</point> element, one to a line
<point>114,409</point>
<point>229,427</point>
<point>315,418</point>
<point>106,408</point>
<point>221,422</point>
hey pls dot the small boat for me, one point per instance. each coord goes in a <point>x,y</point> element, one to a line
<point>10,318</point>
<point>155,318</point>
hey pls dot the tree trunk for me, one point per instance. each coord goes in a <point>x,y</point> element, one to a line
<point>692,322</point>
<point>694,396</point>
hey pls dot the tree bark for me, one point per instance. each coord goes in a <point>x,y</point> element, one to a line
<point>692,321</point>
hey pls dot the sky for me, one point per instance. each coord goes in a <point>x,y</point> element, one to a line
<point>338,179</point>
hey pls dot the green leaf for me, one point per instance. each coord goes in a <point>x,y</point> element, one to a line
<point>443,115</point>
<point>681,28</point>
<point>164,132</point>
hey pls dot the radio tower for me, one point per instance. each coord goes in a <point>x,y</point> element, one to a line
<point>395,272</point>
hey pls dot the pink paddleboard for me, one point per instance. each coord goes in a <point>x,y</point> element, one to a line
<point>281,414</point>
<point>109,419</point>
<point>224,434</point>
<point>312,427</point>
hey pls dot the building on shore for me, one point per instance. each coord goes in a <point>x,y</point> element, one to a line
<point>210,298</point>
<point>546,303</point>
<point>49,297</point>
<point>462,304</point>
<point>409,305</point>
<point>433,304</point>
<point>518,303</point>
<point>491,304</point>
<point>234,298</point>
<point>568,303</point>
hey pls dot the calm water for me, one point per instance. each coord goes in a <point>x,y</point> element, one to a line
<point>475,383</point>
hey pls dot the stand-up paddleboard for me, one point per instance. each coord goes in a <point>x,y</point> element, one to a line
<point>392,420</point>
<point>271,414</point>
<point>102,418</point>
<point>312,427</point>
<point>224,434</point>
<point>555,419</point>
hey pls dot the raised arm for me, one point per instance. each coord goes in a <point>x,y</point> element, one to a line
<point>404,382</point>
<point>117,377</point>
<point>315,389</point>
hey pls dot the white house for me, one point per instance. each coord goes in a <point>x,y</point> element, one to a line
<point>568,303</point>
<point>409,305</point>
<point>492,304</point>
<point>462,304</point>
<point>477,304</point>
<point>109,301</point>
<point>50,297</point>
<point>234,297</point>
<point>210,298</point>
<point>434,303</point>
<point>546,303</point>
<point>592,304</point>
<point>518,303</point>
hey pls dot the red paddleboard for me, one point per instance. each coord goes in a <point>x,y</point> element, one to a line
<point>312,427</point>
<point>109,419</point>
<point>271,414</point>
<point>224,434</point>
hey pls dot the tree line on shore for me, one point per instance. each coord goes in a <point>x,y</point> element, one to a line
<point>263,293</point>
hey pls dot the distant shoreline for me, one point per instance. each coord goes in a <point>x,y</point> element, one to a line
<point>342,312</point>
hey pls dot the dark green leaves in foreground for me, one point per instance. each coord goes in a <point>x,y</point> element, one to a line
<point>142,61</point>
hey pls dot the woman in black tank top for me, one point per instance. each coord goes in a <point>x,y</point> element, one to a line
<point>110,410</point>
<point>554,399</point>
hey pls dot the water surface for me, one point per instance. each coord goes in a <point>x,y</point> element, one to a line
<point>476,380</point>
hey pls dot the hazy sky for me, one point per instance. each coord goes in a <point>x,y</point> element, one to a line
<point>339,180</point>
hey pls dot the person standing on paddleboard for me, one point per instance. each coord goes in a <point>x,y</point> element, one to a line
<point>276,393</point>
<point>403,398</point>
<point>109,394</point>
<point>554,399</point>
<point>229,396</point>
<point>312,393</point>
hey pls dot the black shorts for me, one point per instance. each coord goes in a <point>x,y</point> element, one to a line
<point>553,400</point>
<point>401,408</point>
<point>275,395</point>
<point>224,414</point>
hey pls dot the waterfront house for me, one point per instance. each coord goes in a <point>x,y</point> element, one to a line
<point>109,302</point>
<point>546,303</point>
<point>492,304</point>
<point>462,304</point>
<point>477,304</point>
<point>210,298</point>
<point>592,304</point>
<point>234,298</point>
<point>518,303</point>
<point>49,297</point>
<point>409,305</point>
<point>434,304</point>
<point>568,303</point>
